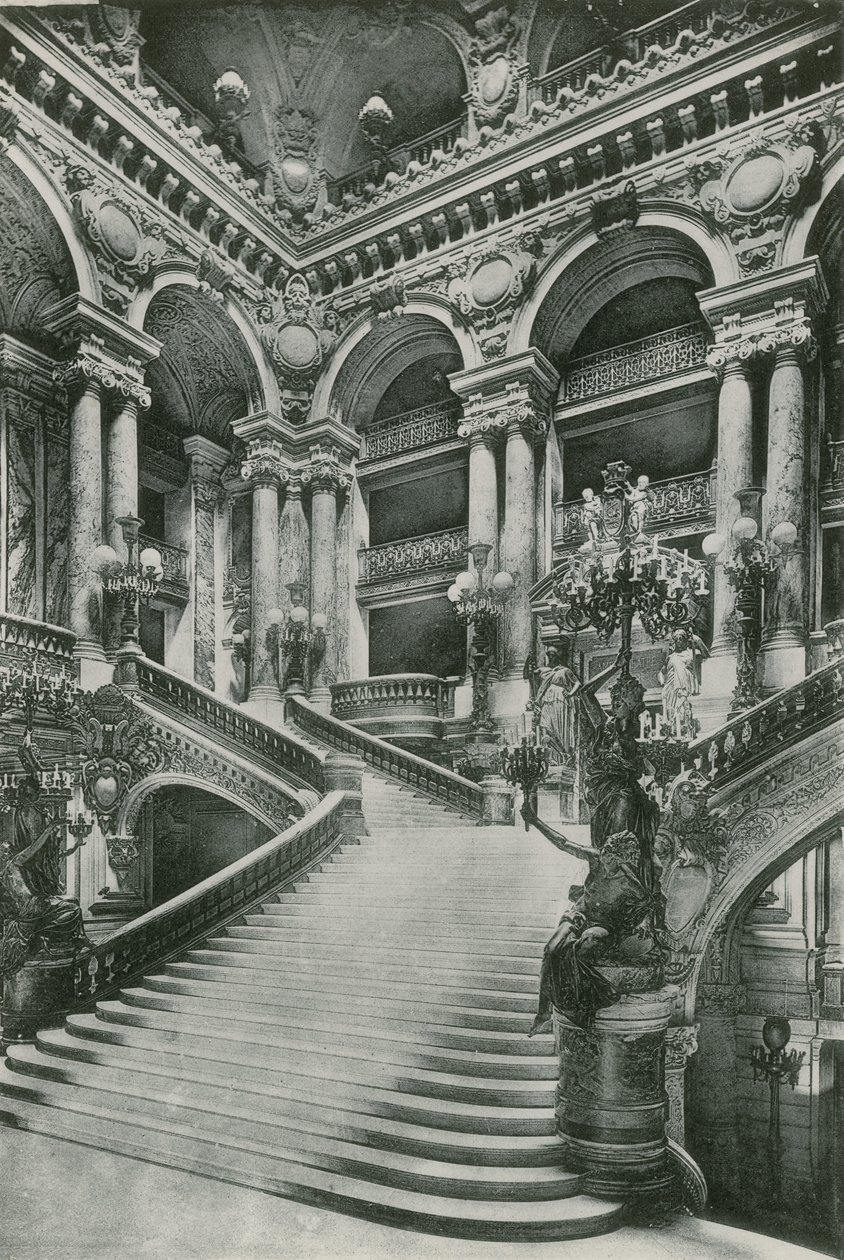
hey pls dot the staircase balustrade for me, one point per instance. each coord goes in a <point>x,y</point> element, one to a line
<point>434,781</point>
<point>424,693</point>
<point>230,724</point>
<point>751,738</point>
<point>22,638</point>
<point>174,562</point>
<point>184,921</point>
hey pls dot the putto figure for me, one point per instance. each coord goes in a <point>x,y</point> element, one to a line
<point>592,512</point>
<point>640,499</point>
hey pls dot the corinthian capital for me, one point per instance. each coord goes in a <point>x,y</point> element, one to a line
<point>797,336</point>
<point>727,354</point>
<point>525,416</point>
<point>264,464</point>
<point>324,473</point>
<point>85,367</point>
<point>487,424</point>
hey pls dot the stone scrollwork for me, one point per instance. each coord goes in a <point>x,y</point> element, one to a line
<point>299,336</point>
<point>264,463</point>
<point>296,169</point>
<point>85,367</point>
<point>119,746</point>
<point>323,472</point>
<point>494,67</point>
<point>488,283</point>
<point>680,1045</point>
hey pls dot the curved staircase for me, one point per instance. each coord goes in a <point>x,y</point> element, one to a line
<point>358,1042</point>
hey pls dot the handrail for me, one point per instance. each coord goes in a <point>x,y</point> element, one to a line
<point>410,429</point>
<point>180,923</point>
<point>748,740</point>
<point>25,634</point>
<point>434,781</point>
<point>282,751</point>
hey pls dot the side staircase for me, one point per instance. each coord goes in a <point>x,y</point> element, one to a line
<point>358,1042</point>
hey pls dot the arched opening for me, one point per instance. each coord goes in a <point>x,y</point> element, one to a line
<point>36,271</point>
<point>190,834</point>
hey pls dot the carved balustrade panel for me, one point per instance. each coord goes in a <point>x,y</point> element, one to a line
<point>832,483</point>
<point>419,693</point>
<point>680,505</point>
<point>443,550</point>
<point>25,641</point>
<point>410,430</point>
<point>636,363</point>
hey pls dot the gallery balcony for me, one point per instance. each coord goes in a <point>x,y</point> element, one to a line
<point>636,364</point>
<point>174,586</point>
<point>425,562</point>
<point>406,709</point>
<point>430,427</point>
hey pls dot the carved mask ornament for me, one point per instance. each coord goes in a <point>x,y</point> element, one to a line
<point>120,748</point>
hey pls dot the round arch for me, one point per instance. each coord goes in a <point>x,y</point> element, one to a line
<point>87,280</point>
<point>372,352</point>
<point>131,807</point>
<point>181,276</point>
<point>587,273</point>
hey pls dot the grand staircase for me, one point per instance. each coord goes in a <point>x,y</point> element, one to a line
<point>358,1042</point>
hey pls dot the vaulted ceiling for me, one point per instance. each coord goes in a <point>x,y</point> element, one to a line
<point>35,265</point>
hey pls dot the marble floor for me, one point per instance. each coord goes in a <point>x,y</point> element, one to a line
<point>59,1201</point>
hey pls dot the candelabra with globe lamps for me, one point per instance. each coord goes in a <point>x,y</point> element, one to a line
<point>131,581</point>
<point>751,566</point>
<point>301,638</point>
<point>481,607</point>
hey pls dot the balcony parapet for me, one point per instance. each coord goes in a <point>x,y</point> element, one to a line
<point>406,709</point>
<point>411,430</point>
<point>832,485</point>
<point>682,505</point>
<point>357,182</point>
<point>636,362</point>
<point>23,639</point>
<point>445,549</point>
<point>174,562</point>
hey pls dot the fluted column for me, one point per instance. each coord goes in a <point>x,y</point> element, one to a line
<point>85,503</point>
<point>524,428</point>
<point>783,657</point>
<point>325,480</point>
<point>265,471</point>
<point>735,472</point>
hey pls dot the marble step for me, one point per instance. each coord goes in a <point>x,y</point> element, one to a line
<point>572,1217</point>
<point>315,1066</point>
<point>264,1005</point>
<point>468,943</point>
<point>265,1028</point>
<point>275,986</point>
<point>394,1168</point>
<point>384,951</point>
<point>453,1115</point>
<point>321,1119</point>
<point>414,917</point>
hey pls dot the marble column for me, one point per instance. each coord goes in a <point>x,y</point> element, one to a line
<point>324,486</point>
<point>483,493</point>
<point>121,495</point>
<point>85,515</point>
<point>783,655</point>
<point>294,542</point>
<point>266,472</point>
<point>207,461</point>
<point>519,538</point>
<point>680,1045</point>
<point>735,472</point>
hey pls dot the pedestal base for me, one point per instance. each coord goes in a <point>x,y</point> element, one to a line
<point>611,1102</point>
<point>266,706</point>
<point>38,996</point>
<point>782,663</point>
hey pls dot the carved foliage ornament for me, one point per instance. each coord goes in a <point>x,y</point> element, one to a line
<point>120,747</point>
<point>494,67</point>
<point>296,166</point>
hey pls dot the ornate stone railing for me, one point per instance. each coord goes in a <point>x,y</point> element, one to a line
<point>231,725</point>
<point>681,505</point>
<point>405,767</point>
<point>754,736</point>
<point>21,638</point>
<point>443,138</point>
<point>410,430</point>
<point>365,697</point>
<point>636,362</point>
<point>174,561</point>
<point>444,549</point>
<point>169,929</point>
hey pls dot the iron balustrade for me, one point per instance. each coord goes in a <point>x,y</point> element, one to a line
<point>422,693</point>
<point>636,362</point>
<point>410,430</point>
<point>230,724</point>
<point>680,504</point>
<point>403,767</point>
<point>174,562</point>
<point>171,928</point>
<point>447,548</point>
<point>754,736</point>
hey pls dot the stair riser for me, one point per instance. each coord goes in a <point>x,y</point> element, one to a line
<point>375,954</point>
<point>468,944</point>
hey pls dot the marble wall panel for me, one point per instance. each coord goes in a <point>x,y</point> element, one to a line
<point>55,548</point>
<point>21,522</point>
<point>204,604</point>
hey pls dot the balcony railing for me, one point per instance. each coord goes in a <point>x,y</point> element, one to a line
<point>443,138</point>
<point>636,362</point>
<point>411,430</point>
<point>367,697</point>
<point>174,562</point>
<point>21,638</point>
<point>681,505</point>
<point>445,549</point>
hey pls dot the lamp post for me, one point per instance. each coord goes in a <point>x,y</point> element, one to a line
<point>301,637</point>
<point>751,569</point>
<point>774,1064</point>
<point>482,607</point>
<point>130,581</point>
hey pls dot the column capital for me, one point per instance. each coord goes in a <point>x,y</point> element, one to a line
<point>264,464</point>
<point>100,348</point>
<point>88,367</point>
<point>482,426</point>
<point>680,1044</point>
<point>324,474</point>
<point>529,369</point>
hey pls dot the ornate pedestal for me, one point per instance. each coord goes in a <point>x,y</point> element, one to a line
<point>611,1100</point>
<point>38,996</point>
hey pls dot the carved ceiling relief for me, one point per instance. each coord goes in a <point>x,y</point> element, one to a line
<point>493,62</point>
<point>752,195</point>
<point>127,243</point>
<point>35,266</point>
<point>296,168</point>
